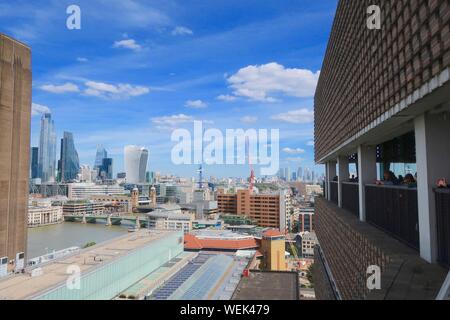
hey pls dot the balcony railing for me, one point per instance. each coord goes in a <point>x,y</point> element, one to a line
<point>350,197</point>
<point>334,191</point>
<point>394,210</point>
<point>443,225</point>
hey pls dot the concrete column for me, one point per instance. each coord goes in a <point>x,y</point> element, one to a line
<point>367,173</point>
<point>433,162</point>
<point>343,170</point>
<point>331,173</point>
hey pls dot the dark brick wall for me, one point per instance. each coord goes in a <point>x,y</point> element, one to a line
<point>349,247</point>
<point>347,251</point>
<point>366,72</point>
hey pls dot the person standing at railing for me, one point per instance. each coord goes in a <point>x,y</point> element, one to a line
<point>409,181</point>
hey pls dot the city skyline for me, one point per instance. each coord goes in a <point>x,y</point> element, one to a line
<point>134,82</point>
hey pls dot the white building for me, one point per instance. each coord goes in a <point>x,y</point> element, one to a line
<point>135,164</point>
<point>43,213</point>
<point>85,174</point>
<point>85,190</point>
<point>309,241</point>
<point>170,217</point>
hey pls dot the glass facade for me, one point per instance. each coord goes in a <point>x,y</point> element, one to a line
<point>69,165</point>
<point>47,149</point>
<point>106,282</point>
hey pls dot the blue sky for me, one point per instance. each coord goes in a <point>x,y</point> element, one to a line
<point>138,69</point>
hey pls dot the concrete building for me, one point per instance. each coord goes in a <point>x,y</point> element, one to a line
<point>383,99</point>
<point>309,241</point>
<point>85,190</point>
<point>42,213</point>
<point>170,220</point>
<point>15,112</point>
<point>268,210</point>
<point>135,164</point>
<point>273,249</point>
<point>306,220</point>
<point>83,207</point>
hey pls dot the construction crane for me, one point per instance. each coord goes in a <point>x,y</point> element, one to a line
<point>252,172</point>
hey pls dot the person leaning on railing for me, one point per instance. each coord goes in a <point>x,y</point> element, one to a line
<point>389,179</point>
<point>409,181</point>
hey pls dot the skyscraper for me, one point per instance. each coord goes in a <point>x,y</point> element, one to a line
<point>15,111</point>
<point>135,164</point>
<point>106,170</point>
<point>68,165</point>
<point>47,149</point>
<point>101,154</point>
<point>34,162</point>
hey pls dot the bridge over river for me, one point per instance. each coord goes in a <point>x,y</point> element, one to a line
<point>109,219</point>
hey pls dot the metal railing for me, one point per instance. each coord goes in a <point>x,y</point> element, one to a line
<point>442,197</point>
<point>394,209</point>
<point>350,197</point>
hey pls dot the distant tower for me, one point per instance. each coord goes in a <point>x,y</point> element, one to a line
<point>152,194</point>
<point>200,177</point>
<point>134,199</point>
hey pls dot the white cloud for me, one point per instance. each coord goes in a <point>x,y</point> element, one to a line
<point>249,119</point>
<point>310,143</point>
<point>38,109</point>
<point>296,116</point>
<point>168,122</point>
<point>127,44</point>
<point>196,104</point>
<point>295,159</point>
<point>120,91</point>
<point>226,97</point>
<point>81,59</point>
<point>181,31</point>
<point>260,82</point>
<point>293,151</point>
<point>67,87</point>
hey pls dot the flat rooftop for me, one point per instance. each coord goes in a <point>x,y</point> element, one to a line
<point>24,286</point>
<point>268,285</point>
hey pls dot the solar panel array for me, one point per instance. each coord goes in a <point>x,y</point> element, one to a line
<point>168,288</point>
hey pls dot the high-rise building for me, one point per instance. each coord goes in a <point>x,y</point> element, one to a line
<point>47,149</point>
<point>106,169</point>
<point>34,163</point>
<point>100,155</point>
<point>68,165</point>
<point>135,164</point>
<point>15,112</point>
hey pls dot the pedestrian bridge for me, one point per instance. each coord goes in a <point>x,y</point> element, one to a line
<point>109,219</point>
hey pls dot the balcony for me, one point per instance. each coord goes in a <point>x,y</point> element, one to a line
<point>394,210</point>
<point>350,197</point>
<point>349,247</point>
<point>442,197</point>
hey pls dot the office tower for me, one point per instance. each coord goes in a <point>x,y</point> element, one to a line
<point>106,169</point>
<point>85,174</point>
<point>300,174</point>
<point>100,155</point>
<point>287,174</point>
<point>135,164</point>
<point>47,149</point>
<point>68,165</point>
<point>34,162</point>
<point>15,111</point>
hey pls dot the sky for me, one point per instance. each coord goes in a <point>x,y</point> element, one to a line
<point>137,70</point>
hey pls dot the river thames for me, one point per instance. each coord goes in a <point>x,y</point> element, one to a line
<point>44,240</point>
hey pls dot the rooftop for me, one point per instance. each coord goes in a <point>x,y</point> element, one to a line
<point>23,286</point>
<point>193,242</point>
<point>268,285</point>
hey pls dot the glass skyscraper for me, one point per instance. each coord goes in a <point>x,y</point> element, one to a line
<point>34,162</point>
<point>101,154</point>
<point>69,165</point>
<point>47,150</point>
